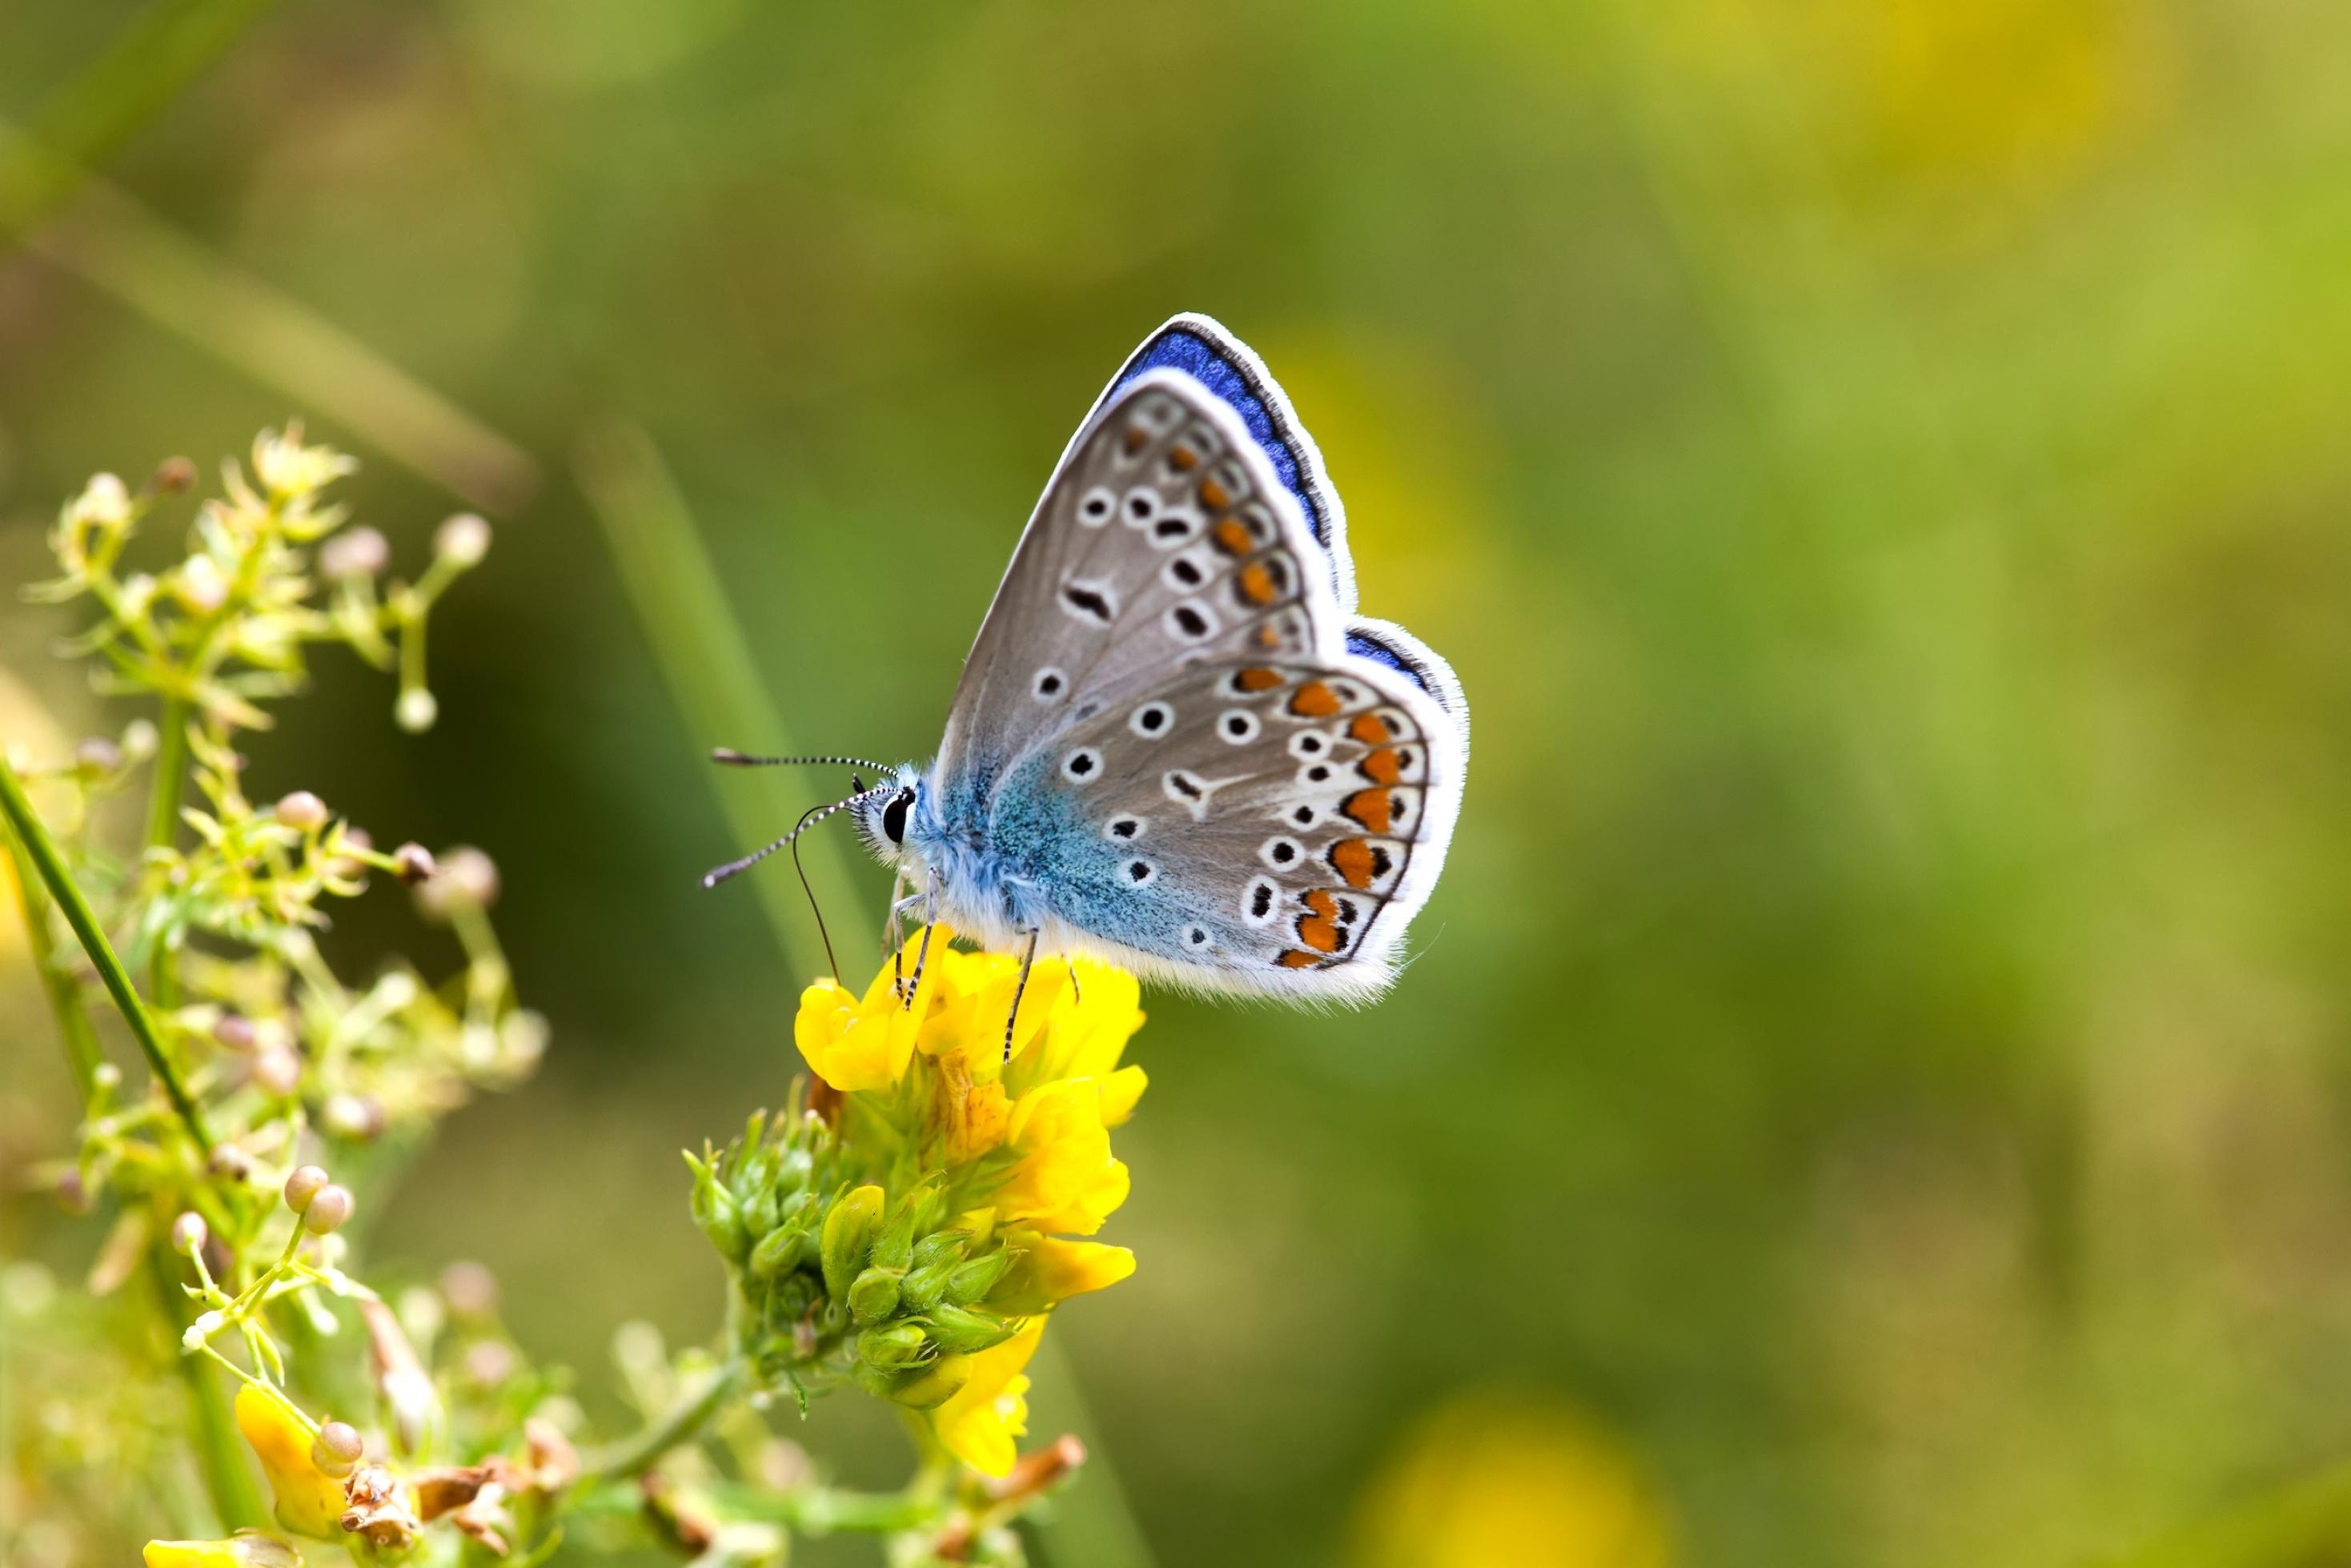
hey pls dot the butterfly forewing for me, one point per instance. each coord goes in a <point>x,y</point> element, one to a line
<point>1159,545</point>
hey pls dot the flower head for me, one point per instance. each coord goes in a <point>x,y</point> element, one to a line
<point>309,1501</point>
<point>914,1235</point>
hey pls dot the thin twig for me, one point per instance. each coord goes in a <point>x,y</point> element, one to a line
<point>43,852</point>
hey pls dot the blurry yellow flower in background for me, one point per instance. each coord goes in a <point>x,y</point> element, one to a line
<point>245,1549</point>
<point>980,1423</point>
<point>1489,1478</point>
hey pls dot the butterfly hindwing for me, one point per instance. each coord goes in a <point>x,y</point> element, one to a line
<point>1275,821</point>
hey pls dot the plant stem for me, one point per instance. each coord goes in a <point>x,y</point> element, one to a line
<point>633,1456</point>
<point>50,865</point>
<point>218,1445</point>
<point>82,1049</point>
<point>164,823</point>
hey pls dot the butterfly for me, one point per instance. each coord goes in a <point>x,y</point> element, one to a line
<point>1174,745</point>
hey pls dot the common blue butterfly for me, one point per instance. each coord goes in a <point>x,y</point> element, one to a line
<point>1174,745</point>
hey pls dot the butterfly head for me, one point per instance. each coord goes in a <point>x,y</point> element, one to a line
<point>885,813</point>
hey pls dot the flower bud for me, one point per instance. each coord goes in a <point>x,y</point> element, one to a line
<point>894,1348</point>
<point>140,739</point>
<point>924,1288</point>
<point>463,540</point>
<point>199,585</point>
<point>105,500</point>
<point>302,812</point>
<point>357,1118</point>
<point>173,476</point>
<point>778,1252</point>
<point>971,1281</point>
<point>412,862</point>
<point>940,1247</point>
<point>491,1362</point>
<point>73,1192</point>
<point>922,1389</point>
<point>893,1246</point>
<point>337,1449</point>
<point>717,1212</point>
<point>356,553</point>
<point>98,754</point>
<point>762,1209</point>
<point>415,710</point>
<point>233,1031</point>
<point>471,1290</point>
<point>873,1295</point>
<point>848,1238</point>
<point>304,1186</point>
<point>189,1234</point>
<point>961,1332</point>
<point>465,875</point>
<point>328,1211</point>
<point>277,1071</point>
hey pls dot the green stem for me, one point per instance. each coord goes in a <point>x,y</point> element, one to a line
<point>163,821</point>
<point>219,1445</point>
<point>51,865</point>
<point>82,1049</point>
<point>633,1456</point>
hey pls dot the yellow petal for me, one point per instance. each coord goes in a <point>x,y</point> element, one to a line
<point>245,1549</point>
<point>1120,1091</point>
<point>309,1501</point>
<point>1050,1271</point>
<point>979,1424</point>
<point>1065,1179</point>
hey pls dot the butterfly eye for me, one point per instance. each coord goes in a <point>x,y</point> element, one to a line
<point>894,816</point>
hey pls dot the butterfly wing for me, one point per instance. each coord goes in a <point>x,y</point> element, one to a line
<point>1262,826</point>
<point>1162,538</point>
<point>1202,349</point>
<point>1200,765</point>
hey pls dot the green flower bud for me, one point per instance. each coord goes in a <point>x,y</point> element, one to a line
<point>970,1282</point>
<point>715,1211</point>
<point>762,1211</point>
<point>875,1295</point>
<point>961,1332</point>
<point>939,1246</point>
<point>926,1288</point>
<point>926,1386</point>
<point>780,1251</point>
<point>848,1239</point>
<point>893,1349</point>
<point>895,1247</point>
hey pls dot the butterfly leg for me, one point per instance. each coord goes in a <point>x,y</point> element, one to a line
<point>1077,992</point>
<point>930,896</point>
<point>1028,962</point>
<point>891,943</point>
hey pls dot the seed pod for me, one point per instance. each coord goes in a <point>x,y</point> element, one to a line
<point>848,1241</point>
<point>873,1296</point>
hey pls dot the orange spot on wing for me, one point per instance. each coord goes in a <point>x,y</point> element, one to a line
<point>1184,458</point>
<point>1371,807</point>
<point>1315,700</point>
<point>1257,583</point>
<point>1215,496</point>
<point>1269,637</point>
<point>1382,766</point>
<point>1321,902</point>
<point>1369,729</point>
<point>1294,959</point>
<point>1318,932</point>
<point>1230,537</point>
<point>1352,858</point>
<point>1135,439</point>
<point>1259,679</point>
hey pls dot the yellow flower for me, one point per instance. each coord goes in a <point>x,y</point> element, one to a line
<point>1051,1270</point>
<point>980,1421</point>
<point>288,470</point>
<point>309,1501</point>
<point>1493,1478</point>
<point>1065,1179</point>
<point>245,1549</point>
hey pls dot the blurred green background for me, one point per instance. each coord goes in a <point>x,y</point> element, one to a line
<point>1874,1081</point>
